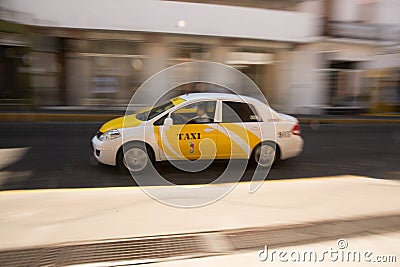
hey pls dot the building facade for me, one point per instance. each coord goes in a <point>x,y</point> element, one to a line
<point>356,55</point>
<point>308,56</point>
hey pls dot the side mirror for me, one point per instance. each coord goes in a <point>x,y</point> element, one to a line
<point>167,123</point>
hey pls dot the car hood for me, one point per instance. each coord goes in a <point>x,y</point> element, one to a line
<point>121,122</point>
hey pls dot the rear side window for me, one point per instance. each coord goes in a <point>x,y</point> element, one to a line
<point>238,112</point>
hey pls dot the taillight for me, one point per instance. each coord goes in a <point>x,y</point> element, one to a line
<point>296,130</point>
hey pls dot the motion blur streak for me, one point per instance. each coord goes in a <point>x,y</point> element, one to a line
<point>10,155</point>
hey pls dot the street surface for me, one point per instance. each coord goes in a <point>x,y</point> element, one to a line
<point>58,155</point>
<point>285,213</point>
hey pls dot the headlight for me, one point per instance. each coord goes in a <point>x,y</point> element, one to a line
<point>109,135</point>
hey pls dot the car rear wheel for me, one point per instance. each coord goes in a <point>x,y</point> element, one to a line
<point>265,154</point>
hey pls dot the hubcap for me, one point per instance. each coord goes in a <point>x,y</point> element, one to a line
<point>135,159</point>
<point>265,155</point>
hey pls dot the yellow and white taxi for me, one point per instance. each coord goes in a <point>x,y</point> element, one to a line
<point>199,126</point>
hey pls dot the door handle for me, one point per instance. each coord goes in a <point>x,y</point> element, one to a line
<point>207,130</point>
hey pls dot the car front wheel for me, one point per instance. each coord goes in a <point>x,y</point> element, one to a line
<point>136,157</point>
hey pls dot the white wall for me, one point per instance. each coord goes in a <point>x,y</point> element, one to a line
<point>388,12</point>
<point>298,81</point>
<point>345,10</point>
<point>163,16</point>
<point>315,7</point>
<point>385,11</point>
<point>384,61</point>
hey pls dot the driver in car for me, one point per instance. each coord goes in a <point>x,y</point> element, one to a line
<point>202,116</point>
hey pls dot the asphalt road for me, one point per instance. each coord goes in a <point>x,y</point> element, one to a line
<point>60,156</point>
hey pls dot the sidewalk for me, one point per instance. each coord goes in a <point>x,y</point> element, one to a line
<point>61,217</point>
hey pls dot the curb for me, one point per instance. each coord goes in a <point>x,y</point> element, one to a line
<point>68,117</point>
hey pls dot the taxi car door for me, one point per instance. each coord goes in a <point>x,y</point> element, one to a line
<point>239,131</point>
<point>193,135</point>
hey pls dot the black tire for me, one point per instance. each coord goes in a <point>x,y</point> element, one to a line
<point>135,157</point>
<point>270,152</point>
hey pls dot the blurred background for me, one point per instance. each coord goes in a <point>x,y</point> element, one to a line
<point>307,56</point>
<point>67,66</point>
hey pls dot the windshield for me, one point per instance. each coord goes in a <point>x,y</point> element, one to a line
<point>150,114</point>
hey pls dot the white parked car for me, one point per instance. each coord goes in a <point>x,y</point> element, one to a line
<point>199,126</point>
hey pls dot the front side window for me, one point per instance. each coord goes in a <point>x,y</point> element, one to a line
<point>196,113</point>
<point>154,112</point>
<point>238,112</point>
